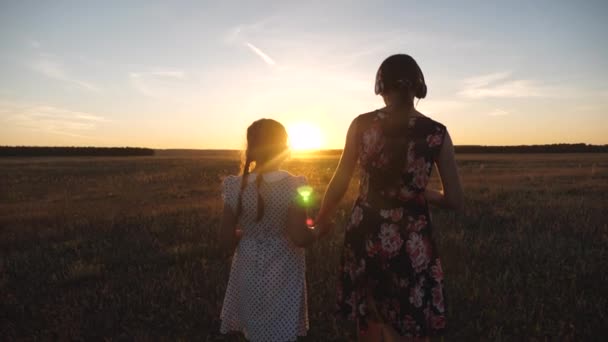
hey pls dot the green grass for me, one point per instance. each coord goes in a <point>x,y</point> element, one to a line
<point>125,248</point>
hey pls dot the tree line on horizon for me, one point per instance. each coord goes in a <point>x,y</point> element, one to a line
<point>546,148</point>
<point>75,151</point>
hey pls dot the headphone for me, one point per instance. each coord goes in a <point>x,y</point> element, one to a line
<point>420,86</point>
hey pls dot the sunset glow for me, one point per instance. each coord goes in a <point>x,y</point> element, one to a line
<point>210,70</point>
<point>305,136</point>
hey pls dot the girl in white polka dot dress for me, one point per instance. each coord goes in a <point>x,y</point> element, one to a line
<point>266,294</point>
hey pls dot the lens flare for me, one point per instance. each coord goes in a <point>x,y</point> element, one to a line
<point>305,195</point>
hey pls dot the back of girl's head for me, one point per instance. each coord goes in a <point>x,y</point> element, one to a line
<point>266,144</point>
<point>266,141</point>
<point>400,72</point>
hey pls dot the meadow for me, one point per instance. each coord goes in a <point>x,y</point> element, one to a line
<point>125,248</point>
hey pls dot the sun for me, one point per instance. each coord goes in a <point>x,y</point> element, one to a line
<point>304,136</point>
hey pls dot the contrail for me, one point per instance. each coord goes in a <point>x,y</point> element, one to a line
<point>261,53</point>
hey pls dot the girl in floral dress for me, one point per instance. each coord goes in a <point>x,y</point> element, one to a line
<point>391,280</point>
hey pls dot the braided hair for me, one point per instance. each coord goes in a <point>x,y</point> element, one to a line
<point>266,143</point>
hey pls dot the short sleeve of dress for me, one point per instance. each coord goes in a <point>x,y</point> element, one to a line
<point>230,191</point>
<point>435,138</point>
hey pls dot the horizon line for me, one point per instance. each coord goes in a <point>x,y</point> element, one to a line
<point>296,151</point>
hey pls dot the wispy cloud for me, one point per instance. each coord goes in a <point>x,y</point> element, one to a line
<point>163,73</point>
<point>54,69</point>
<point>268,38</point>
<point>173,85</point>
<point>261,54</point>
<point>50,119</point>
<point>498,112</point>
<point>501,85</point>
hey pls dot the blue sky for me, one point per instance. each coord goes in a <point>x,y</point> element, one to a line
<point>194,74</point>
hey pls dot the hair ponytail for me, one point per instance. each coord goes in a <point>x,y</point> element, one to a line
<point>260,209</point>
<point>239,205</point>
<point>244,181</point>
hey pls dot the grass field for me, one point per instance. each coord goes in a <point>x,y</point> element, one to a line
<point>125,248</point>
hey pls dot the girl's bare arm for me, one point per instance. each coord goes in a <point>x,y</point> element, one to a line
<point>451,196</point>
<point>339,183</point>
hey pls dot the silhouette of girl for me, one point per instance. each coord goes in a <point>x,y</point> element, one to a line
<point>266,294</point>
<point>391,280</point>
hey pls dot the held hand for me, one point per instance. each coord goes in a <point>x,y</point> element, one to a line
<point>433,196</point>
<point>322,229</point>
<point>238,233</point>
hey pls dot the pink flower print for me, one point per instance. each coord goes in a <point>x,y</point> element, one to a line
<point>418,225</point>
<point>373,248</point>
<point>434,139</point>
<point>391,239</point>
<point>437,271</point>
<point>416,295</point>
<point>356,216</point>
<point>362,309</point>
<point>421,181</point>
<point>437,322</point>
<point>351,301</point>
<point>420,170</point>
<point>409,323</point>
<point>372,140</point>
<point>438,298</point>
<point>396,214</point>
<point>385,213</point>
<point>427,312</point>
<point>418,251</point>
<point>364,186</point>
<point>405,193</point>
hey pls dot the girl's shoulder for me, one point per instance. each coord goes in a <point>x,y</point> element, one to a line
<point>429,123</point>
<point>285,180</point>
<point>297,180</point>
<point>270,177</point>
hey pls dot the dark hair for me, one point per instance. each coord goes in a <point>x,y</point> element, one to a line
<point>266,141</point>
<point>398,72</point>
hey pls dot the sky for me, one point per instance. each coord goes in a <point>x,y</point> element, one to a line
<point>195,74</point>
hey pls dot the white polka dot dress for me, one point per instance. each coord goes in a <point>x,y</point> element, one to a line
<point>266,294</point>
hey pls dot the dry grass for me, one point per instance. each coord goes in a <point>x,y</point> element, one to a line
<point>125,248</point>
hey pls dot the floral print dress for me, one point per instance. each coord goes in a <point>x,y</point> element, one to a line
<point>390,270</point>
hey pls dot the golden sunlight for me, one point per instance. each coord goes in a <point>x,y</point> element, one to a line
<point>304,136</point>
